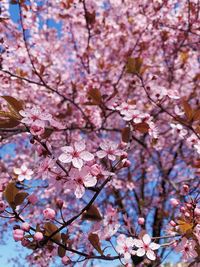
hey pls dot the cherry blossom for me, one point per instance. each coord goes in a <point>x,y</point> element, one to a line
<point>109,149</point>
<point>76,154</point>
<point>145,246</point>
<point>79,179</point>
<point>23,173</point>
<point>186,247</point>
<point>125,246</point>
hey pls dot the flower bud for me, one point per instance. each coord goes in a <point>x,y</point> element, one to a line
<point>59,203</point>
<point>18,234</point>
<point>197,211</point>
<point>2,206</point>
<point>141,221</point>
<point>95,169</point>
<point>65,260</point>
<point>182,209</point>
<point>126,163</point>
<point>172,223</point>
<point>187,214</point>
<point>38,236</point>
<point>32,199</point>
<point>174,202</point>
<point>49,214</point>
<point>25,226</point>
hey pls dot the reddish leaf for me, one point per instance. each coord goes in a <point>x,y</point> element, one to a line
<point>95,95</point>
<point>92,214</point>
<point>94,240</point>
<point>20,197</point>
<point>142,127</point>
<point>126,134</point>
<point>51,228</point>
<point>9,193</point>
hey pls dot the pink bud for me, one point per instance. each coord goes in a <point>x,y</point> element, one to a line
<point>182,209</point>
<point>124,155</point>
<point>141,221</point>
<point>18,234</point>
<point>49,214</point>
<point>25,226</point>
<point>32,199</point>
<point>172,223</point>
<point>197,211</point>
<point>95,169</point>
<point>174,202</point>
<point>185,189</point>
<point>59,203</point>
<point>2,206</point>
<point>65,260</point>
<point>126,163</point>
<point>189,206</point>
<point>25,242</point>
<point>187,214</point>
<point>38,236</point>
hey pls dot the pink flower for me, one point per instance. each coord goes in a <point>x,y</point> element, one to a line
<point>33,115</point>
<point>174,202</point>
<point>32,199</point>
<point>125,246</point>
<point>23,173</point>
<point>18,234</point>
<point>2,206</point>
<point>49,214</point>
<point>146,247</point>
<point>187,248</point>
<point>25,226</point>
<point>65,260</point>
<point>38,236</point>
<point>109,149</point>
<point>75,154</point>
<point>81,179</point>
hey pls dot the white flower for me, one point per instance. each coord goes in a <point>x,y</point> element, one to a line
<point>23,173</point>
<point>145,246</point>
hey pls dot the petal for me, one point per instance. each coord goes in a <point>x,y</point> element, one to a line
<point>119,249</point>
<point>87,156</point>
<point>89,181</point>
<point>77,163</point>
<point>138,243</point>
<point>146,239</point>
<point>121,239</point>
<point>28,177</point>
<point>154,246</point>
<point>140,252</point>
<point>127,256</point>
<point>67,149</point>
<point>104,146</point>
<point>79,192</point>
<point>21,178</point>
<point>151,255</point>
<point>130,242</point>
<point>17,171</point>
<point>65,158</point>
<point>101,154</point>
<point>79,146</point>
<point>111,157</point>
<point>24,168</point>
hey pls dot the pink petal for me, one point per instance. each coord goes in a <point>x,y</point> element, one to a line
<point>138,243</point>
<point>101,154</point>
<point>77,163</point>
<point>87,156</point>
<point>140,252</point>
<point>127,256</point>
<point>111,157</point>
<point>21,178</point>
<point>130,242</point>
<point>119,249</point>
<point>146,239</point>
<point>90,181</point>
<point>79,146</point>
<point>79,192</point>
<point>17,171</point>
<point>151,255</point>
<point>67,149</point>
<point>154,246</point>
<point>65,158</point>
<point>121,240</point>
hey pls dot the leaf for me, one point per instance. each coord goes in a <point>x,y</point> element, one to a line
<point>9,123</point>
<point>196,115</point>
<point>61,252</point>
<point>126,134</point>
<point>94,240</point>
<point>51,228</point>
<point>90,17</point>
<point>20,197</point>
<point>95,95</point>
<point>184,226</point>
<point>9,193</point>
<point>92,214</point>
<point>14,103</point>
<point>134,65</point>
<point>142,127</point>
<point>188,110</point>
